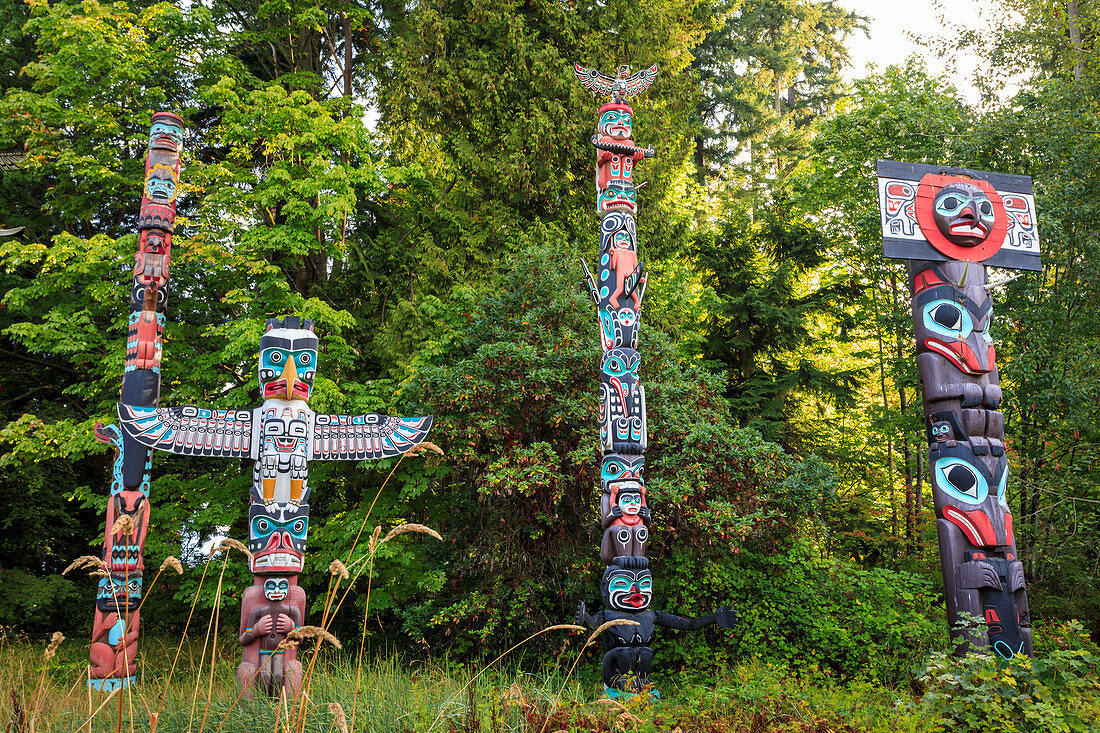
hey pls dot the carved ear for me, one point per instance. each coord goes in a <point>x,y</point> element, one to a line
<point>272,323</point>
<point>307,325</point>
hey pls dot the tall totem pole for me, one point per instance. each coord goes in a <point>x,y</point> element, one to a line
<point>281,436</point>
<point>617,292</point>
<point>950,223</point>
<point>115,629</point>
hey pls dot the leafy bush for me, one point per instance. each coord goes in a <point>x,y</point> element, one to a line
<point>831,615</point>
<point>1055,691</point>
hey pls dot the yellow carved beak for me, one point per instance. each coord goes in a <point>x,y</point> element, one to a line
<point>290,374</point>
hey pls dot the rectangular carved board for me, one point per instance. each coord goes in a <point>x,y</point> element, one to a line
<point>907,193</point>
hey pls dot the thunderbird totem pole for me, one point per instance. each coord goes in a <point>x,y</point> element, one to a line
<point>115,628</point>
<point>950,223</point>
<point>617,292</point>
<point>281,436</point>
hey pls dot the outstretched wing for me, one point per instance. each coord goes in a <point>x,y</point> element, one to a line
<point>370,436</point>
<point>192,431</point>
<point>639,81</point>
<point>594,80</point>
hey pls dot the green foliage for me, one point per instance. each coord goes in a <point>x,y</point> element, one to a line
<point>1056,691</point>
<point>874,624</point>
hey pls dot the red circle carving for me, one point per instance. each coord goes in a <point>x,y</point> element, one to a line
<point>930,185</point>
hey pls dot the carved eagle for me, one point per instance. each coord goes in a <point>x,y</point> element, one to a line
<point>624,84</point>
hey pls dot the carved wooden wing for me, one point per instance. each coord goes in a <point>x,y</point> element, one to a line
<point>370,436</point>
<point>192,431</point>
<point>639,81</point>
<point>592,79</point>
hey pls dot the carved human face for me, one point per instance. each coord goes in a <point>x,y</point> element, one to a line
<point>630,502</point>
<point>963,213</point>
<point>627,590</point>
<point>276,589</point>
<point>288,363</point>
<point>166,133</point>
<point>615,123</point>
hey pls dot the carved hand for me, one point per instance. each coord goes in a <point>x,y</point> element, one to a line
<point>285,624</point>
<point>582,614</point>
<point>726,617</point>
<point>264,625</point>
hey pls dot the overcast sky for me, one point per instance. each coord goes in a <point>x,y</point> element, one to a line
<point>893,26</point>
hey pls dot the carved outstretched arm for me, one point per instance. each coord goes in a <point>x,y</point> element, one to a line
<point>724,617</point>
<point>370,436</point>
<point>192,431</point>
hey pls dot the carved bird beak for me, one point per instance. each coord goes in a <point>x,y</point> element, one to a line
<point>290,374</point>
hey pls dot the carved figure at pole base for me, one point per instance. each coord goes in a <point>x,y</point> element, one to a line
<point>270,609</point>
<point>627,590</point>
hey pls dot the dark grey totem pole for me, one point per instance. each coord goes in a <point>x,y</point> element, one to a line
<point>950,224</point>
<point>617,290</point>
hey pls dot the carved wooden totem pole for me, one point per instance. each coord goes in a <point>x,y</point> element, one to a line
<point>281,436</point>
<point>617,292</point>
<point>951,223</point>
<point>113,653</point>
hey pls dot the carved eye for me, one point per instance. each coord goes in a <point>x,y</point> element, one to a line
<point>276,356</point>
<point>262,526</point>
<point>961,481</point>
<point>623,536</point>
<point>947,316</point>
<point>305,358</point>
<point>298,527</point>
<point>985,208</point>
<point>641,534</point>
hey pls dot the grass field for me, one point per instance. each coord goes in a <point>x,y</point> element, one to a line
<point>394,695</point>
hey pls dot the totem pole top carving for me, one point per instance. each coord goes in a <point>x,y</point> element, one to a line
<point>622,85</point>
<point>940,213</point>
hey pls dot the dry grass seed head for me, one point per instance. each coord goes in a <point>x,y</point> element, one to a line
<point>55,641</point>
<point>315,632</point>
<point>337,568</point>
<point>230,544</point>
<point>626,717</point>
<point>423,447</point>
<point>172,562</point>
<point>124,525</point>
<point>374,539</point>
<point>338,717</point>
<point>607,625</point>
<point>405,528</point>
<point>85,561</point>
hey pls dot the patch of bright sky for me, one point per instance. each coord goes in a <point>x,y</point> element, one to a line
<point>896,28</point>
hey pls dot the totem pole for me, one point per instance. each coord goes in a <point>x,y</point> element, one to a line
<point>113,653</point>
<point>617,292</point>
<point>281,437</point>
<point>950,223</point>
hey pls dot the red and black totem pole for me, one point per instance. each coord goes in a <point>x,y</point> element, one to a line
<point>617,291</point>
<point>115,630</point>
<point>950,224</point>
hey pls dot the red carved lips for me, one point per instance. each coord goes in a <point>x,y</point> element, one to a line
<point>299,390</point>
<point>637,600</point>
